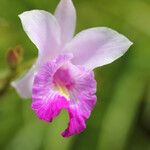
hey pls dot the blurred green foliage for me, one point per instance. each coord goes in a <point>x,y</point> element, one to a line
<point>121,118</point>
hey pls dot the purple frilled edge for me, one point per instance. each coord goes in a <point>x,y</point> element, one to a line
<point>61,85</point>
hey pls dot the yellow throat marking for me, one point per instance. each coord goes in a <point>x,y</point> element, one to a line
<point>63,91</point>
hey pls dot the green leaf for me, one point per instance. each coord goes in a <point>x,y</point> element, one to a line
<point>121,112</point>
<point>11,120</point>
<point>29,137</point>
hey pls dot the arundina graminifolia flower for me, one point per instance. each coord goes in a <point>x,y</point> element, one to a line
<point>62,77</point>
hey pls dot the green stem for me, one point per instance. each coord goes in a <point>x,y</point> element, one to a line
<point>13,73</point>
<point>7,81</point>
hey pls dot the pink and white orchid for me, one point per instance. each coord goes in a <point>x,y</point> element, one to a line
<point>62,77</point>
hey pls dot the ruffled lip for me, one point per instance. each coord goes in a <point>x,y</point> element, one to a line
<point>49,101</point>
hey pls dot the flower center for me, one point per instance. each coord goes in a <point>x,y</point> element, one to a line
<point>63,82</point>
<point>63,91</point>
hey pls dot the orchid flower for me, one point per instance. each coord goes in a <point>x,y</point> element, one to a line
<point>62,77</point>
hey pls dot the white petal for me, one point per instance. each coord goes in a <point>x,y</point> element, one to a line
<point>96,47</point>
<point>43,30</point>
<point>23,86</point>
<point>66,15</point>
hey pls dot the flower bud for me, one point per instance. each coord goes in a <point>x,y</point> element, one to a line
<point>14,57</point>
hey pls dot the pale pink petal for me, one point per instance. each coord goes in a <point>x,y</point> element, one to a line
<point>96,47</point>
<point>43,30</point>
<point>66,15</point>
<point>23,86</point>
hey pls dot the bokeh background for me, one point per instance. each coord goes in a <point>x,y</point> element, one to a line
<point>121,118</point>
